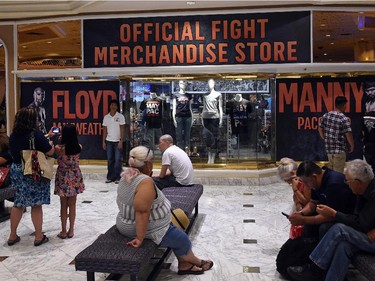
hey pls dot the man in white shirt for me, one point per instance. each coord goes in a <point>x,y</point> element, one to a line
<point>176,169</point>
<point>113,131</point>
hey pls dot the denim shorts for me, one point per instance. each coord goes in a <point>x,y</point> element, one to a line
<point>177,240</point>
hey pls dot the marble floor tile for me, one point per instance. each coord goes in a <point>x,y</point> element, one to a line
<point>218,234</point>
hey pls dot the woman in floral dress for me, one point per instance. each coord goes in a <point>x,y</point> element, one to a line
<point>68,181</point>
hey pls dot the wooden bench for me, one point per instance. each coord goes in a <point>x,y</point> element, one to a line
<point>6,193</point>
<point>365,263</point>
<point>110,254</point>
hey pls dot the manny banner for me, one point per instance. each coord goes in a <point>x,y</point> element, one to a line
<point>81,103</point>
<point>258,38</point>
<point>300,104</point>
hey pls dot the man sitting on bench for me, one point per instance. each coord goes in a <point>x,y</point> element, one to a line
<point>144,212</point>
<point>176,169</point>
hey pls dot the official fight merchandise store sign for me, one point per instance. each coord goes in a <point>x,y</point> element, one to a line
<point>83,104</point>
<point>259,38</point>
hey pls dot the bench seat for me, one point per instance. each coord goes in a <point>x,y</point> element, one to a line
<point>110,254</point>
<point>365,263</point>
<point>6,193</point>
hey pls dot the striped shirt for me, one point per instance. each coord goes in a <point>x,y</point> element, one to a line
<point>335,125</point>
<point>159,217</point>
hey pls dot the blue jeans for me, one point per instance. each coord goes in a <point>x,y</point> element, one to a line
<point>177,240</point>
<point>335,250</point>
<point>114,165</point>
<point>183,130</point>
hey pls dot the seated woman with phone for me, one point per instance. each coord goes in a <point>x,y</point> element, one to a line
<point>301,195</point>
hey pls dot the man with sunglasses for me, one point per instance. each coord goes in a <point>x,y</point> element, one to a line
<point>176,169</point>
<point>351,233</point>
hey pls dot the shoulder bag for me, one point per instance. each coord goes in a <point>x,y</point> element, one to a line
<point>36,164</point>
<point>4,176</point>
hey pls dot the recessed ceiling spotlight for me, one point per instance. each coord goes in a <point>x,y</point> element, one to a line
<point>325,54</point>
<point>323,24</point>
<point>328,35</point>
<point>332,43</point>
<point>190,2</point>
<point>49,42</point>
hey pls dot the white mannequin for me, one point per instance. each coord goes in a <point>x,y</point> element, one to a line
<point>213,94</point>
<point>238,98</point>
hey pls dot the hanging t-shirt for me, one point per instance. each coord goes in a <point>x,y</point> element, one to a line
<point>368,129</point>
<point>239,113</point>
<point>183,105</point>
<point>154,112</point>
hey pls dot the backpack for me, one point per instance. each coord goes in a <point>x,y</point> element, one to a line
<point>294,252</point>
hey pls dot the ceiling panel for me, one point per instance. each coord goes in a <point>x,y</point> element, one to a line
<point>18,10</point>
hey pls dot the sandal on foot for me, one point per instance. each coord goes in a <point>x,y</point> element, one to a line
<point>40,242</point>
<point>14,241</point>
<point>70,235</point>
<point>61,236</point>
<point>206,264</point>
<point>190,271</point>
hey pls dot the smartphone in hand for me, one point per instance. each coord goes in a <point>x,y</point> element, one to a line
<point>287,216</point>
<point>56,130</point>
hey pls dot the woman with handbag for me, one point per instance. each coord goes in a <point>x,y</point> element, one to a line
<point>144,212</point>
<point>30,191</point>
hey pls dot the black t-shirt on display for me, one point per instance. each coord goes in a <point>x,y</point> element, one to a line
<point>154,112</point>
<point>239,113</point>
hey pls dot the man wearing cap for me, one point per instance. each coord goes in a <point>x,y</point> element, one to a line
<point>333,129</point>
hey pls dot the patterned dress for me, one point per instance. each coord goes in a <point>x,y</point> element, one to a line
<point>68,180</point>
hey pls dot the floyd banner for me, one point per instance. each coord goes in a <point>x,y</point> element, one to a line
<point>83,104</point>
<point>301,103</point>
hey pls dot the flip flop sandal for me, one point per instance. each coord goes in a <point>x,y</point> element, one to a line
<point>190,271</point>
<point>14,241</point>
<point>40,242</point>
<point>205,263</point>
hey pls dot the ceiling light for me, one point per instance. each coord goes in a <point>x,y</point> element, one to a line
<point>164,78</point>
<point>332,43</point>
<point>325,54</point>
<point>49,42</point>
<point>240,77</point>
<point>190,2</point>
<point>323,24</point>
<point>328,35</point>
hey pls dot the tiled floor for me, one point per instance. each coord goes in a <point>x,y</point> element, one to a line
<point>228,215</point>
